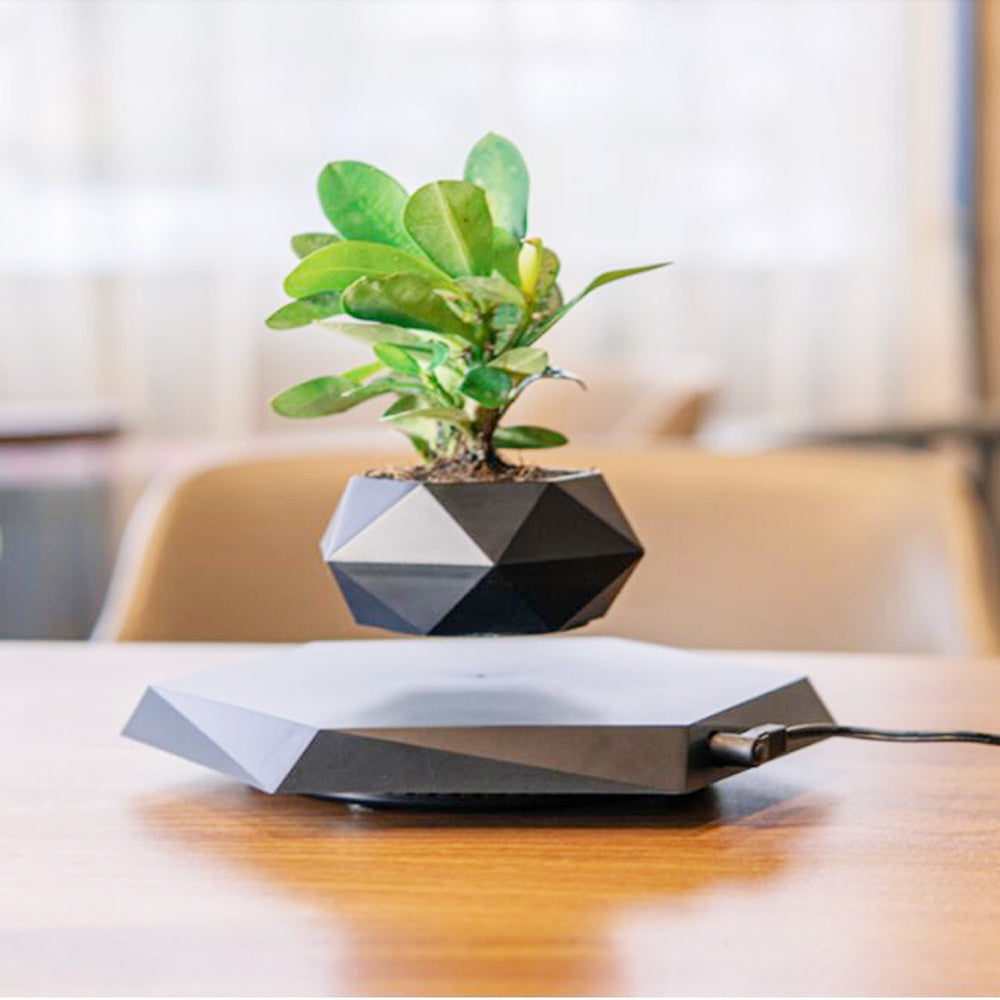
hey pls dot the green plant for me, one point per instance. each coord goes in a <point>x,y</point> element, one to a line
<point>448,291</point>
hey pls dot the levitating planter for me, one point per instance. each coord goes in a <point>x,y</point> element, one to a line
<point>504,558</point>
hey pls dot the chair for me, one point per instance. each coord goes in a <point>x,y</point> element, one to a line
<point>620,406</point>
<point>825,550</point>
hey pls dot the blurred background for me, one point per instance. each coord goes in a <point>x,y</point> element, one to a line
<point>809,165</point>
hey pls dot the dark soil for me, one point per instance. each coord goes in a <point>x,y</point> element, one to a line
<point>470,470</point>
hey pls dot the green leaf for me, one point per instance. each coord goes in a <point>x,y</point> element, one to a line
<point>307,243</point>
<point>522,360</point>
<point>404,300</point>
<point>551,303</point>
<point>439,355</point>
<point>488,386</point>
<point>422,352</point>
<point>450,221</point>
<point>361,372</point>
<point>304,311</point>
<point>500,302</point>
<point>328,394</point>
<point>506,324</point>
<point>609,276</point>
<point>419,432</point>
<point>547,274</point>
<point>444,414</point>
<point>405,404</point>
<point>334,267</point>
<point>397,358</point>
<point>316,398</point>
<point>505,316</point>
<point>464,308</point>
<point>498,168</point>
<point>364,203</point>
<point>601,279</point>
<point>506,247</point>
<point>379,333</point>
<point>422,448</point>
<point>418,360</point>
<point>404,419</point>
<point>528,437</point>
<point>491,291</point>
<point>448,378</point>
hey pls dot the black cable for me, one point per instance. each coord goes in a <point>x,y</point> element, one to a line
<point>810,730</point>
<point>753,747</point>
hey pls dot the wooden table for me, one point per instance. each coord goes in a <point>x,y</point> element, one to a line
<point>849,868</point>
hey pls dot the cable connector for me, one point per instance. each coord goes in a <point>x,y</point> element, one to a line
<point>757,746</point>
<point>750,748</point>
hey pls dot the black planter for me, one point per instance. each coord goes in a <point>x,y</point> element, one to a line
<point>507,558</point>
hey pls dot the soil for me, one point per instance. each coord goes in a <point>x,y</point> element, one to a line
<point>470,470</point>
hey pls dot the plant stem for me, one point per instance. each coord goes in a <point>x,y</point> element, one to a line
<point>482,449</point>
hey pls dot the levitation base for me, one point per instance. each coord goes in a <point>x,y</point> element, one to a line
<point>463,721</point>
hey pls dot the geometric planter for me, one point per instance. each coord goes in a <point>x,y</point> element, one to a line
<point>480,558</point>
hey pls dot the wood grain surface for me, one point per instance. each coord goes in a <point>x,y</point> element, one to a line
<point>849,868</point>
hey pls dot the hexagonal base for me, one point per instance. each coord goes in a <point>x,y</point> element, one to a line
<point>513,716</point>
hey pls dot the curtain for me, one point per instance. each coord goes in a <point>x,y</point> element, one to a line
<point>796,161</point>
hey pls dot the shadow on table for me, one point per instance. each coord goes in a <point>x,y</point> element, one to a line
<point>747,817</point>
<point>518,900</point>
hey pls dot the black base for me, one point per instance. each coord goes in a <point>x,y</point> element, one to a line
<point>470,723</point>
